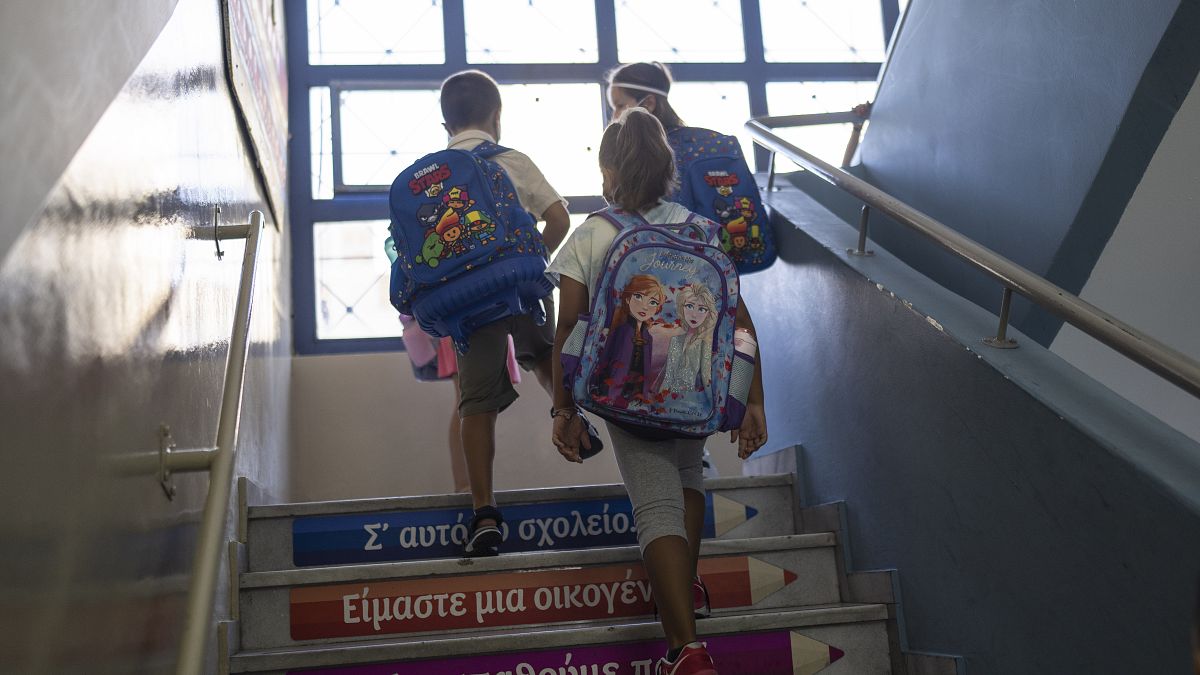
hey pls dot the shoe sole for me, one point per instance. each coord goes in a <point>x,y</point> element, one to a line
<point>483,543</point>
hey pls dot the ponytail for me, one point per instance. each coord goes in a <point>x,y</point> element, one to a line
<point>635,148</point>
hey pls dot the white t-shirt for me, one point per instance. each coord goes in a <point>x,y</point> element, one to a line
<point>533,190</point>
<point>582,256</point>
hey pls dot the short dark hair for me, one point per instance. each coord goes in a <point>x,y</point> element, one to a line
<point>469,98</point>
<point>655,75</point>
<point>635,147</point>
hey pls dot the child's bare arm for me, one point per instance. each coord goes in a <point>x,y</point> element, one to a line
<point>568,434</point>
<point>557,224</point>
<point>753,433</point>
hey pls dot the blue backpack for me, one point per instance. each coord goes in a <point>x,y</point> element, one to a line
<point>715,182</point>
<point>655,352</point>
<point>466,252</point>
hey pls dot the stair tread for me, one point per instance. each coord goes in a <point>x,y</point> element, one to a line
<point>516,561</point>
<point>333,507</point>
<point>507,639</point>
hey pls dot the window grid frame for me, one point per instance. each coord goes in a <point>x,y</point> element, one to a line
<point>361,202</point>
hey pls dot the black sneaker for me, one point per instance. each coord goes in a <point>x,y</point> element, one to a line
<point>484,540</point>
<point>593,438</point>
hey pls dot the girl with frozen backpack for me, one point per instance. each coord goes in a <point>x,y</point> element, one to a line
<point>613,324</point>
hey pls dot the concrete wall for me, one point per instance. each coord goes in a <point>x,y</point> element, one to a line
<point>1148,276</point>
<point>1026,126</point>
<point>1040,524</point>
<point>363,427</point>
<point>112,322</point>
<point>53,95</point>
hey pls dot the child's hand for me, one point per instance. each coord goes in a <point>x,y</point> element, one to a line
<point>568,436</point>
<point>752,435</point>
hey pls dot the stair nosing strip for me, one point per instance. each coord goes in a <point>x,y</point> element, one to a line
<point>573,636</point>
<point>338,574</point>
<point>530,495</point>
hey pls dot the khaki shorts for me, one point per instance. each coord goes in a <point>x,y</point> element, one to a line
<point>483,370</point>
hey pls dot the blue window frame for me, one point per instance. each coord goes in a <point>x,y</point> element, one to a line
<point>338,175</point>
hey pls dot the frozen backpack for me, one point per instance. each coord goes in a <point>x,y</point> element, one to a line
<point>715,182</point>
<point>467,253</point>
<point>655,352</point>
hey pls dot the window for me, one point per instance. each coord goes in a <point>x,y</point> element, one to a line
<point>827,141</point>
<point>822,30</point>
<point>674,31</point>
<point>374,32</point>
<point>372,70</point>
<point>528,31</point>
<point>352,281</point>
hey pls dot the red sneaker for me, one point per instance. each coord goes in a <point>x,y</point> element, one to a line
<point>693,660</point>
<point>700,599</point>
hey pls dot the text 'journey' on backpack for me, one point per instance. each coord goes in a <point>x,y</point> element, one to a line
<point>466,252</point>
<point>656,351</point>
<point>715,182</point>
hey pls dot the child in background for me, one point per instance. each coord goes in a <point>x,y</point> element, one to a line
<point>663,477</point>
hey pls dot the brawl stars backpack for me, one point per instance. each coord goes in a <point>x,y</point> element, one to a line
<point>656,351</point>
<point>715,182</point>
<point>467,253</point>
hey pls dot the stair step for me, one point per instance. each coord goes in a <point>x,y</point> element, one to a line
<point>835,639</point>
<point>290,536</point>
<point>523,589</point>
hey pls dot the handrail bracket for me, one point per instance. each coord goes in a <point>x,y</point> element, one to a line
<point>166,443</point>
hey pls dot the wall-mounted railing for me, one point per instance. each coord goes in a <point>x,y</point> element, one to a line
<point>217,461</point>
<point>206,563</point>
<point>1166,362</point>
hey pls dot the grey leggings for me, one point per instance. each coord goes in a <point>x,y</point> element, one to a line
<point>656,474</point>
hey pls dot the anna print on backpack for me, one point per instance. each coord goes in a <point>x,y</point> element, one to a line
<point>622,373</point>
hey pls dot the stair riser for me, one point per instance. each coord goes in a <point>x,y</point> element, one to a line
<point>291,543</point>
<point>277,617</point>
<point>858,649</point>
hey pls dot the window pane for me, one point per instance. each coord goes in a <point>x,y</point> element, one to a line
<point>827,141</point>
<point>321,138</point>
<point>720,106</point>
<point>352,277</point>
<point>680,31</point>
<point>386,130</point>
<point>559,127</point>
<point>531,31</point>
<point>822,30</point>
<point>375,32</point>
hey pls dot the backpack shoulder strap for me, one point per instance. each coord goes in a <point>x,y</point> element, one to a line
<point>488,150</point>
<point>620,218</point>
<point>709,230</point>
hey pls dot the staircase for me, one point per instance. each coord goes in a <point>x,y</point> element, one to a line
<point>376,587</point>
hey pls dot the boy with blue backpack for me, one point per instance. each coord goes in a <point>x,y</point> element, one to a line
<point>471,265</point>
<point>654,337</point>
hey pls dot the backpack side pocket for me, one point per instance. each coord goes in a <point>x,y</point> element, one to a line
<point>739,390</point>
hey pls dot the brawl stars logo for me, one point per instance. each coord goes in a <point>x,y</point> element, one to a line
<point>722,181</point>
<point>429,180</point>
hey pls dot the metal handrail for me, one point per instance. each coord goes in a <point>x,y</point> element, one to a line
<point>206,562</point>
<point>1170,364</point>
